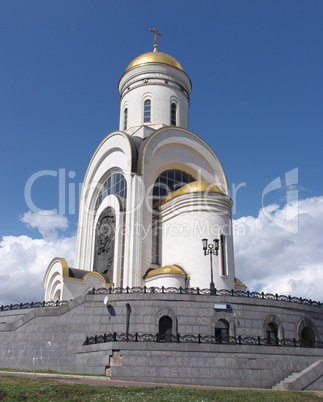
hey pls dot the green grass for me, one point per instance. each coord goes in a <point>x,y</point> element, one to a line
<point>49,372</point>
<point>31,389</point>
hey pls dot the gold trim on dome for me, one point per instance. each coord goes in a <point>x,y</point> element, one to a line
<point>167,269</point>
<point>193,187</point>
<point>155,58</point>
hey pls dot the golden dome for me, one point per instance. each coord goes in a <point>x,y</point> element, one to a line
<point>167,269</point>
<point>155,58</point>
<point>238,282</point>
<point>193,187</point>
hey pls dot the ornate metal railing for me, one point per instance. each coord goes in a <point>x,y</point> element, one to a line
<point>205,339</point>
<point>171,290</point>
<point>206,291</point>
<point>21,306</point>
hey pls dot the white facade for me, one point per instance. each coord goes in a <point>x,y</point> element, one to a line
<point>153,138</point>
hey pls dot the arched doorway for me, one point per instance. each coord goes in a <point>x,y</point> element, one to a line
<point>272,333</point>
<point>221,331</point>
<point>307,337</point>
<point>165,328</point>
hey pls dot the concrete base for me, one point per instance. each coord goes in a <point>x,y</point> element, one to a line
<point>199,364</point>
<point>51,338</point>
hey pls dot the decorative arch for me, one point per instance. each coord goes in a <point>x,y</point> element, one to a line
<point>117,153</point>
<point>272,329</point>
<point>175,144</point>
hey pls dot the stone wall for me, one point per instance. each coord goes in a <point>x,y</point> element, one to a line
<point>200,364</point>
<point>52,338</point>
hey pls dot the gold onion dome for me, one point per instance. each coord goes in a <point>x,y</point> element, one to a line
<point>167,269</point>
<point>193,187</point>
<point>154,58</point>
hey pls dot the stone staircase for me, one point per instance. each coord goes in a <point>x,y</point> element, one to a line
<point>311,379</point>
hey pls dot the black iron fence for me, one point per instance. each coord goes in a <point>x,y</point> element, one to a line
<point>171,290</point>
<point>21,306</point>
<point>207,291</point>
<point>202,339</point>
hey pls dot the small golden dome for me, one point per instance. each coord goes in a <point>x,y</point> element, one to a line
<point>193,187</point>
<point>238,282</point>
<point>167,269</point>
<point>155,58</point>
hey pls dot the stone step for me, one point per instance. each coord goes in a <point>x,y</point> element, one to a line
<point>312,374</point>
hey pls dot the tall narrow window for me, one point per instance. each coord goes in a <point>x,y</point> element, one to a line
<point>147,111</point>
<point>173,111</point>
<point>125,120</point>
<point>224,256</point>
<point>155,238</point>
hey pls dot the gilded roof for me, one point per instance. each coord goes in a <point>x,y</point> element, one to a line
<point>167,269</point>
<point>193,187</point>
<point>238,282</point>
<point>155,58</point>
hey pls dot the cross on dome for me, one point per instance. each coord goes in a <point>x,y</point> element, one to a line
<point>155,31</point>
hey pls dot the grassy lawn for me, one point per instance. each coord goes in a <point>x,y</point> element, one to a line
<point>28,389</point>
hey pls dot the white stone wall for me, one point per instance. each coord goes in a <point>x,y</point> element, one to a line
<point>185,221</point>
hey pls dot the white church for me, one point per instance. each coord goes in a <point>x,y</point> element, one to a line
<point>152,191</point>
<point>153,294</point>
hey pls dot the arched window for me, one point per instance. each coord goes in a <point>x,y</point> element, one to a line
<point>169,181</point>
<point>166,182</point>
<point>221,331</point>
<point>147,111</point>
<point>272,333</point>
<point>165,328</point>
<point>306,333</point>
<point>223,244</point>
<point>307,337</point>
<point>115,184</point>
<point>125,119</point>
<point>173,113</point>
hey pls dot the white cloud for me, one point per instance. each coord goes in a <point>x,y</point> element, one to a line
<point>271,259</point>
<point>45,222</point>
<point>24,260</point>
<point>23,264</point>
<point>268,258</point>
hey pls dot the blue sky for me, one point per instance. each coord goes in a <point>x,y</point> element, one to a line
<point>256,68</point>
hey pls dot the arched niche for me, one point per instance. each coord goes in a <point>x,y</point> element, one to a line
<point>272,329</point>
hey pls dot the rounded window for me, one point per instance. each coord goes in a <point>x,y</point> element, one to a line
<point>221,331</point>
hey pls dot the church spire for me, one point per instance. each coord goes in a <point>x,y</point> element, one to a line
<point>155,31</point>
